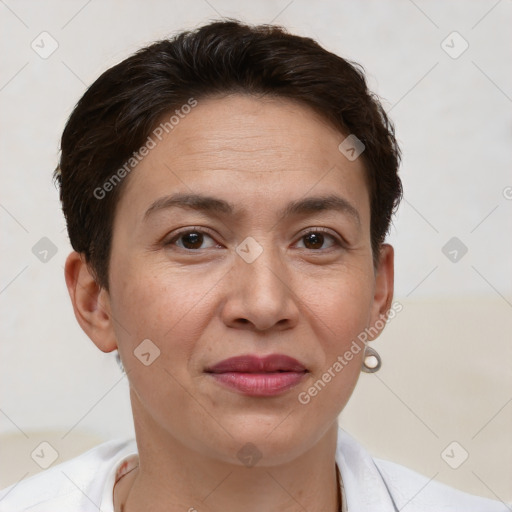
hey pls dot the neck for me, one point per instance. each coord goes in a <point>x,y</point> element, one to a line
<point>172,477</point>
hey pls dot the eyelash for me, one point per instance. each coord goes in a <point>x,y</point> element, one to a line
<point>204,231</point>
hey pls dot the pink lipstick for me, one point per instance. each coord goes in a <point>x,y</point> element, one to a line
<point>259,376</point>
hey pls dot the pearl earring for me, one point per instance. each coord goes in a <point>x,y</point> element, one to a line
<point>372,361</point>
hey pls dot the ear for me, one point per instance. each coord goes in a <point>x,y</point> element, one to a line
<point>383,290</point>
<point>91,303</point>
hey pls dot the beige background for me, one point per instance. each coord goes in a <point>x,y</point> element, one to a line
<point>447,355</point>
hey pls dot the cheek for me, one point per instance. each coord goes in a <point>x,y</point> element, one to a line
<point>339,311</point>
<point>342,304</point>
<point>169,308</point>
<point>147,307</point>
<point>155,302</point>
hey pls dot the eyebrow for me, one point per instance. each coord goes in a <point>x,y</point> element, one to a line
<point>209,204</point>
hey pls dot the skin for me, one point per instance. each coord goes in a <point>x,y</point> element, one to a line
<point>200,306</point>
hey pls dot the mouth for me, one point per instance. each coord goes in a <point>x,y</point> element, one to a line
<point>258,376</point>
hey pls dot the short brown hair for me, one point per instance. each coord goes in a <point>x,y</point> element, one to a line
<point>120,109</point>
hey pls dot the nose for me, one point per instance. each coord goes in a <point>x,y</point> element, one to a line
<point>260,295</point>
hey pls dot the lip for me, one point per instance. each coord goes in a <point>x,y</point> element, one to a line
<point>257,364</point>
<point>258,376</point>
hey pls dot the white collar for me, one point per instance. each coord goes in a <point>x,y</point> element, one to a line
<point>362,484</point>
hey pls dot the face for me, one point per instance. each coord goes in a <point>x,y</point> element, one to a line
<point>277,261</point>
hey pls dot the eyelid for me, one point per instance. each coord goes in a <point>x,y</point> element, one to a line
<point>191,229</point>
<point>333,234</point>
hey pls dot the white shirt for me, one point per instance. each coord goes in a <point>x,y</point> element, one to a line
<point>85,484</point>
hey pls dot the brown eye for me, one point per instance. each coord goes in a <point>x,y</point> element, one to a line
<point>318,240</point>
<point>192,239</point>
<point>313,241</point>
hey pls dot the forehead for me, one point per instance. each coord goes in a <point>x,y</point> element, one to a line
<point>254,127</point>
<point>256,149</point>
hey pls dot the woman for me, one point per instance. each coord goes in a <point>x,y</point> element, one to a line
<point>227,195</point>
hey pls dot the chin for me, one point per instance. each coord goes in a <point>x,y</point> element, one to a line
<point>265,440</point>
